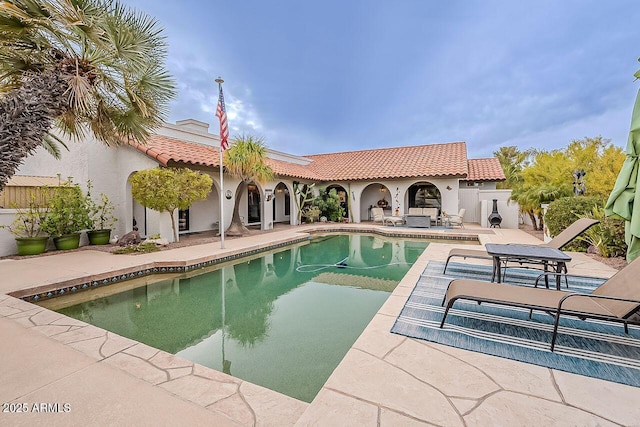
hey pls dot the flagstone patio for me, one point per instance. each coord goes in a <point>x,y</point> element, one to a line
<point>384,380</point>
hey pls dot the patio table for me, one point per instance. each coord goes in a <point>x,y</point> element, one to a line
<point>529,254</point>
<point>423,221</point>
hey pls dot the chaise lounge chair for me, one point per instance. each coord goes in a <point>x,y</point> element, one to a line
<point>558,242</point>
<point>615,300</point>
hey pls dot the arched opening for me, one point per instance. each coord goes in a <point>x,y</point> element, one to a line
<point>374,195</point>
<point>281,204</point>
<point>424,195</point>
<point>343,196</point>
<point>253,204</point>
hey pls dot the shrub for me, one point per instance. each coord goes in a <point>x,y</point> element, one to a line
<point>28,220</point>
<point>100,213</point>
<point>608,236</point>
<point>142,248</point>
<point>329,205</point>
<point>68,211</point>
<point>565,211</point>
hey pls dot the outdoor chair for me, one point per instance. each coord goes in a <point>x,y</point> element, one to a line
<point>558,242</point>
<point>432,213</point>
<point>453,220</point>
<point>616,300</point>
<point>378,215</point>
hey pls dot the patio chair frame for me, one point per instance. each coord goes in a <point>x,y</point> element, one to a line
<point>556,311</point>
<point>558,242</point>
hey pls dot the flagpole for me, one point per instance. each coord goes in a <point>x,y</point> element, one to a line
<point>221,222</point>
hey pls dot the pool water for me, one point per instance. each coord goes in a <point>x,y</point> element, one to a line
<point>283,320</point>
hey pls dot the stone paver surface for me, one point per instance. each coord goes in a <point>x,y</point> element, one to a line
<point>414,382</point>
<point>384,380</point>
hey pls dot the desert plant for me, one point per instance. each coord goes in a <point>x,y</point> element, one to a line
<point>304,195</point>
<point>565,211</point>
<point>85,66</point>
<point>607,236</point>
<point>246,160</point>
<point>312,213</point>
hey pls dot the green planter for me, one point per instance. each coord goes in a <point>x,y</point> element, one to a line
<point>99,237</point>
<point>67,241</point>
<point>31,245</point>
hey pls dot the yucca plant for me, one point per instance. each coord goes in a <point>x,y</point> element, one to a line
<point>85,66</point>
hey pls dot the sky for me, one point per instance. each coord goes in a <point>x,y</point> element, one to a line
<point>313,77</point>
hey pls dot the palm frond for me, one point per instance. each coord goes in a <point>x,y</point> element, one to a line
<point>52,143</point>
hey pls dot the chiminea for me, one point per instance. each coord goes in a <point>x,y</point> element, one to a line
<point>495,219</point>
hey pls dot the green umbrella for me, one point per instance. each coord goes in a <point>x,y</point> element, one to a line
<point>624,201</point>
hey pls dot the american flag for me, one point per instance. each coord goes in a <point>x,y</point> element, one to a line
<point>221,113</point>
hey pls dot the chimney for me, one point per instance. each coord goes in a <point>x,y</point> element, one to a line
<point>193,126</point>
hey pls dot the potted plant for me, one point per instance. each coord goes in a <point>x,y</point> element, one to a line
<point>68,215</point>
<point>26,228</point>
<point>101,218</point>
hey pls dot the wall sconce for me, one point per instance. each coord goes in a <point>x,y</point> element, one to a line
<point>228,194</point>
<point>268,194</point>
<point>382,189</point>
<point>449,188</point>
<point>279,190</point>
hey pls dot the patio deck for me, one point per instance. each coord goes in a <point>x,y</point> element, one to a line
<point>384,380</point>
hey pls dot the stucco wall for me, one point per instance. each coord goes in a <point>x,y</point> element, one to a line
<point>508,210</point>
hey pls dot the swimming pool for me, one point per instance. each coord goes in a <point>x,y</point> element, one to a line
<point>283,319</point>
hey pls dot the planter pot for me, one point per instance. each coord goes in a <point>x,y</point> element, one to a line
<point>31,245</point>
<point>67,241</point>
<point>99,237</point>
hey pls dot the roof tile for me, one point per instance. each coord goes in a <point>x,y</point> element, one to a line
<point>449,159</point>
<point>488,169</point>
<point>435,160</point>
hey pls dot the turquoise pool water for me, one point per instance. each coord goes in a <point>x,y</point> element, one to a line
<point>283,320</point>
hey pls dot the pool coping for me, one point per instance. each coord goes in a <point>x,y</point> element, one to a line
<point>93,281</point>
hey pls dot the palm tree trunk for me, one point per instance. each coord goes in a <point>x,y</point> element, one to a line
<point>26,115</point>
<point>236,228</point>
<point>532,215</point>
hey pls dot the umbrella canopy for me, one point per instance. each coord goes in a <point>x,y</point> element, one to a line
<point>624,200</point>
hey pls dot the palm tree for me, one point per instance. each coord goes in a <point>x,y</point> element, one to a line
<point>85,66</point>
<point>245,159</point>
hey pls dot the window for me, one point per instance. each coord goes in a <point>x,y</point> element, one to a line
<point>183,220</point>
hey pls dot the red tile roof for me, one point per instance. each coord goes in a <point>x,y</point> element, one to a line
<point>485,170</point>
<point>165,149</point>
<point>435,160</point>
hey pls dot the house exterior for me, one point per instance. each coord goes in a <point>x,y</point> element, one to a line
<point>436,175</point>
